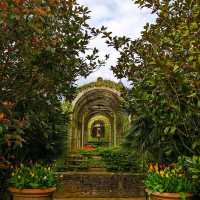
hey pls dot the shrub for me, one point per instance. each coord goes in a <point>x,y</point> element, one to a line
<point>116,159</point>
<point>4,175</point>
<point>193,166</point>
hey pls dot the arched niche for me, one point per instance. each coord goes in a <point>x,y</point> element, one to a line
<point>104,137</point>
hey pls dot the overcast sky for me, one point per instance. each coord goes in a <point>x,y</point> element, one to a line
<point>121,17</point>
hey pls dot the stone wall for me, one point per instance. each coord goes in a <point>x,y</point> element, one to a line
<point>100,184</point>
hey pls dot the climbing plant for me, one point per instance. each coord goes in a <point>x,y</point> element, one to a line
<point>102,83</point>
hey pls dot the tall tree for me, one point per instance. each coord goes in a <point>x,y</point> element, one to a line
<point>43,49</point>
<point>164,67</point>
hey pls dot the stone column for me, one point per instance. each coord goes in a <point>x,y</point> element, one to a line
<point>115,130</point>
<point>110,134</point>
<point>82,131</point>
<point>70,136</point>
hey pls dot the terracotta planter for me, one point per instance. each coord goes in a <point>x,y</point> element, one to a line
<point>168,196</point>
<point>32,194</point>
<point>4,165</point>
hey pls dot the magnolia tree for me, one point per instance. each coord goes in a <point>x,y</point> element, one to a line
<point>43,49</point>
<point>164,68</point>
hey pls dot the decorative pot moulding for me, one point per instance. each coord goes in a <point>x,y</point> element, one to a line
<point>32,194</point>
<point>169,196</point>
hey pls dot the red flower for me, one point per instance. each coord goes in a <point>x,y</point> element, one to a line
<point>3,5</point>
<point>17,2</point>
<point>88,147</point>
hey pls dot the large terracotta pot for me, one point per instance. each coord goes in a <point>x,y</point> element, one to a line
<point>32,194</point>
<point>4,165</point>
<point>168,196</point>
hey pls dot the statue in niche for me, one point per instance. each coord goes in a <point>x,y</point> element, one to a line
<point>98,130</point>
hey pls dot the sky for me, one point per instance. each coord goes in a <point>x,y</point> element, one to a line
<point>121,17</point>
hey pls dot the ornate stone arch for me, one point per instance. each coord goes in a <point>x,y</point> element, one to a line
<point>102,102</point>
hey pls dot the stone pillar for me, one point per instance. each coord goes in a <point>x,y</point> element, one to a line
<point>111,133</point>
<point>70,130</point>
<point>115,130</point>
<point>82,131</point>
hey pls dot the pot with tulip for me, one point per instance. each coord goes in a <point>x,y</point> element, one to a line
<point>168,183</point>
<point>32,182</point>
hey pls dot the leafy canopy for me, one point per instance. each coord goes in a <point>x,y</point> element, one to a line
<point>163,66</point>
<point>43,49</point>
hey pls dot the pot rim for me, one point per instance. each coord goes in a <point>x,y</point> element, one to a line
<point>171,194</point>
<point>32,190</point>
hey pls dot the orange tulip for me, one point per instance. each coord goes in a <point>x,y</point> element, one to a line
<point>151,168</point>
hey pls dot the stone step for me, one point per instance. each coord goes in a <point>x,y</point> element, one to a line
<point>74,158</point>
<point>97,169</point>
<point>94,168</point>
<point>78,162</point>
<point>100,185</point>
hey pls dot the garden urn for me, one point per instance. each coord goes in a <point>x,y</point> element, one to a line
<point>169,196</point>
<point>32,194</point>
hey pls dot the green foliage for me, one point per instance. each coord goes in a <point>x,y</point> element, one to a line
<point>88,161</point>
<point>67,107</point>
<point>163,66</point>
<point>113,159</point>
<point>33,176</point>
<point>4,175</point>
<point>47,141</point>
<point>169,180</point>
<point>82,166</point>
<point>121,161</point>
<point>193,166</point>
<point>43,49</point>
<point>93,151</point>
<point>139,138</point>
<point>157,183</point>
<point>144,137</point>
<point>102,83</point>
<point>43,137</point>
<point>92,158</point>
<point>88,152</point>
<point>98,144</point>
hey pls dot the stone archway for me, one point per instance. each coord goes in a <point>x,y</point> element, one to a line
<point>96,104</point>
<point>105,132</point>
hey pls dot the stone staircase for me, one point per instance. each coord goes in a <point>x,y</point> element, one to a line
<point>84,177</point>
<point>99,185</point>
<point>76,162</point>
